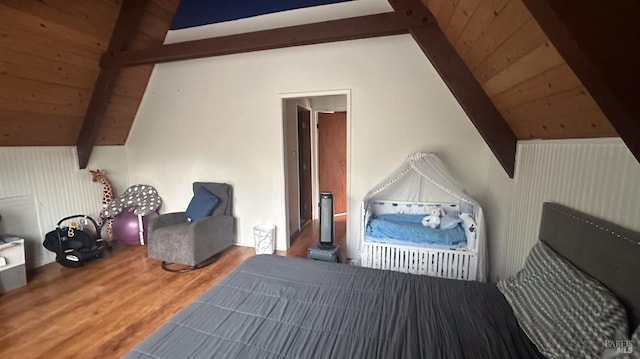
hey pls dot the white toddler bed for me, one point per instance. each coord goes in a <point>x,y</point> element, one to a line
<point>421,184</point>
<point>457,261</point>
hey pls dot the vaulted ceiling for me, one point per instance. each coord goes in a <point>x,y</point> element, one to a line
<point>520,69</point>
<point>49,62</point>
<point>73,72</point>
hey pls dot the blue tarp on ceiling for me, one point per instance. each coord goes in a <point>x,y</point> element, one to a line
<point>201,12</point>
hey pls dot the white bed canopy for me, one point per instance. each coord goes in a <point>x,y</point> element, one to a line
<point>424,178</point>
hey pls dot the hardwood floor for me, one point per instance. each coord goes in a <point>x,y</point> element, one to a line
<point>104,309</point>
<point>309,235</point>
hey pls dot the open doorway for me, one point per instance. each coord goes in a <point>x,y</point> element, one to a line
<point>316,160</point>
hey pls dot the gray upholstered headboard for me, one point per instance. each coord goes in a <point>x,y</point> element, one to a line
<point>606,251</point>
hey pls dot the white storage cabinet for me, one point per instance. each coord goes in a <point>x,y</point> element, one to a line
<point>12,274</point>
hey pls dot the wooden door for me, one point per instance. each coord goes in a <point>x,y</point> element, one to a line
<point>304,164</point>
<point>332,157</point>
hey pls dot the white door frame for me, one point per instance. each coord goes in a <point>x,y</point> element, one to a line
<point>314,152</point>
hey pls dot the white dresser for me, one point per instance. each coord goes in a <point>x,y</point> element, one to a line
<point>12,264</point>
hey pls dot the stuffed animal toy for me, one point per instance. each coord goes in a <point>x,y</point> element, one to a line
<point>433,219</point>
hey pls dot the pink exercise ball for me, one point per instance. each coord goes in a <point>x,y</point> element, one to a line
<point>125,227</point>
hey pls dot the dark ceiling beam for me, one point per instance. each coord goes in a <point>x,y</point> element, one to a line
<point>463,85</point>
<point>392,23</point>
<point>467,90</point>
<point>410,16</point>
<point>599,41</point>
<point>127,24</point>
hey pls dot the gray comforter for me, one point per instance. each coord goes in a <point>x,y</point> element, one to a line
<point>278,307</point>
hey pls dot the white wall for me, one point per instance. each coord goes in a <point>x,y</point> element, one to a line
<point>220,119</point>
<point>598,176</point>
<point>59,188</point>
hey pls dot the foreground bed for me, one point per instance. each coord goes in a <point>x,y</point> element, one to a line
<point>295,308</point>
<point>273,306</point>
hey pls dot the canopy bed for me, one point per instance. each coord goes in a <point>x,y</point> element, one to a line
<point>395,238</point>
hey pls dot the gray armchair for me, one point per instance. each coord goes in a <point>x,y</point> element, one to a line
<point>175,240</point>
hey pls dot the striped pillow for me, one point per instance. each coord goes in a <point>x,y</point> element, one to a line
<point>564,312</point>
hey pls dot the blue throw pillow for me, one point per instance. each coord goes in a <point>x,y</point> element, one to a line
<point>202,204</point>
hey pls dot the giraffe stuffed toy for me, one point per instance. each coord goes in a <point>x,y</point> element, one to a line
<point>107,198</point>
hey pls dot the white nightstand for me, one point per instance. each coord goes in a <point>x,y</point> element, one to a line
<point>12,274</point>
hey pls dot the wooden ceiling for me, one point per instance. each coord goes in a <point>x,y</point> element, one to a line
<point>526,78</point>
<point>519,85</point>
<point>50,54</point>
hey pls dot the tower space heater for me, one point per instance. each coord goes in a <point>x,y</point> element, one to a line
<point>327,230</point>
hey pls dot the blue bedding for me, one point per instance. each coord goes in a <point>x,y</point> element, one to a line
<point>408,229</point>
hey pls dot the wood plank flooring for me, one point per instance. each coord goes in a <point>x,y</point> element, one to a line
<point>105,308</point>
<point>309,235</point>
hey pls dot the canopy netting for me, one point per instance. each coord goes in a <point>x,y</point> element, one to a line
<point>424,178</point>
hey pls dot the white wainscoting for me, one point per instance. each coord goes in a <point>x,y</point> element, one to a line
<point>57,187</point>
<point>600,177</point>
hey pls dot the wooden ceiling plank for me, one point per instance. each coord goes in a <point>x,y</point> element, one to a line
<point>537,61</point>
<point>460,19</point>
<point>35,129</point>
<point>503,26</point>
<point>446,12</point>
<point>19,64</point>
<point>435,5</point>
<point>69,109</point>
<point>479,22</point>
<point>167,5</point>
<point>129,18</point>
<point>316,33</point>
<point>586,123</point>
<point>44,50</point>
<point>95,9</point>
<point>67,16</point>
<point>34,90</point>
<point>559,104</point>
<point>583,54</point>
<point>50,49</point>
<point>163,14</point>
<point>556,79</point>
<point>37,120</point>
<point>526,39</point>
<point>15,22</point>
